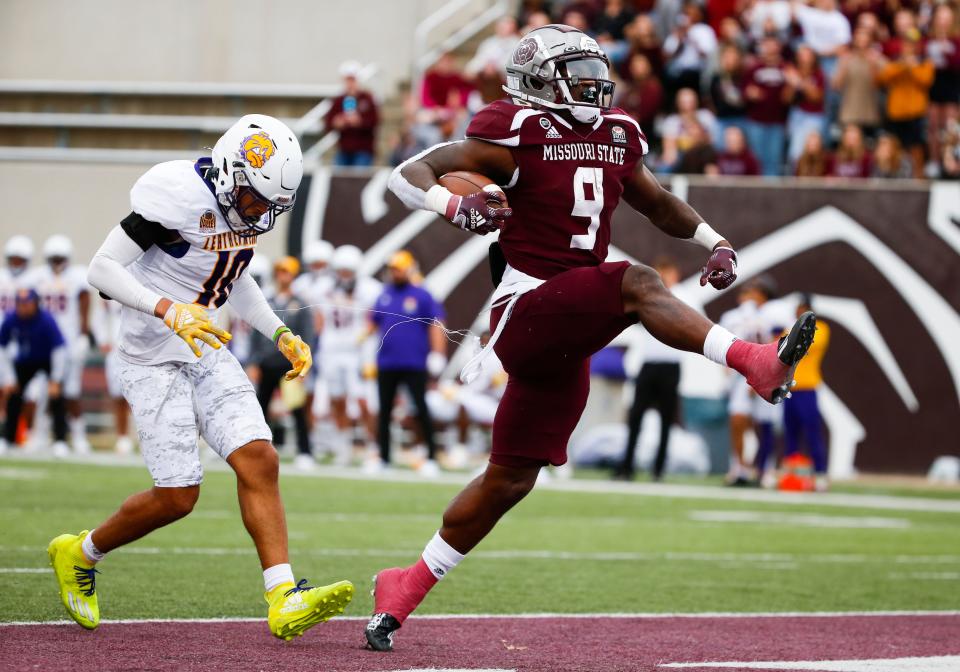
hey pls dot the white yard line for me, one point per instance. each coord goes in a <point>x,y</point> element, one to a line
<point>799,519</point>
<point>913,664</point>
<point>25,570</point>
<point>524,554</point>
<point>533,616</point>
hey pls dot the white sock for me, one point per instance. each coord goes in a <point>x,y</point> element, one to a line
<point>716,344</point>
<point>92,552</point>
<point>276,575</point>
<point>440,556</point>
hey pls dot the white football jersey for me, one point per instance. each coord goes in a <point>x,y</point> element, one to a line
<point>199,266</point>
<point>60,294</point>
<point>346,316</point>
<point>9,284</point>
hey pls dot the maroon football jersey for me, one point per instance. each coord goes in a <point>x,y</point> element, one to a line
<point>568,182</point>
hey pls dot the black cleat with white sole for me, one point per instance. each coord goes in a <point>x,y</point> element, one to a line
<point>792,348</point>
<point>380,631</point>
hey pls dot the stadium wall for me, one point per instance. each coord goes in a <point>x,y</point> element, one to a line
<point>881,259</point>
<point>280,41</point>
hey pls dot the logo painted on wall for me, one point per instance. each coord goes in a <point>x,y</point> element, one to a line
<point>257,149</point>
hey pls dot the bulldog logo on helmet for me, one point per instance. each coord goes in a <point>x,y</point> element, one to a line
<point>525,51</point>
<point>257,149</point>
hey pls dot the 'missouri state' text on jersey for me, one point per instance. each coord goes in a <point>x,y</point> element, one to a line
<point>568,182</point>
<point>193,258</point>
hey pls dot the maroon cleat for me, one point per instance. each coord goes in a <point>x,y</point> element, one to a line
<point>769,368</point>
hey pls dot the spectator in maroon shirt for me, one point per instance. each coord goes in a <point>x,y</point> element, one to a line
<point>642,95</point>
<point>805,90</point>
<point>904,23</point>
<point>767,105</point>
<point>354,116</point>
<point>736,158</point>
<point>943,49</point>
<point>851,160</point>
<point>443,101</point>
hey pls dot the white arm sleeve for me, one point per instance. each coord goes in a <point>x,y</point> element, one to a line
<point>413,197</point>
<point>252,307</point>
<point>108,273</point>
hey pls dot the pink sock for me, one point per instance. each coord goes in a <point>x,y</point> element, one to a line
<point>741,354</point>
<point>418,580</point>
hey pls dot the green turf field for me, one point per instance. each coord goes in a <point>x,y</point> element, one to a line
<point>556,552</point>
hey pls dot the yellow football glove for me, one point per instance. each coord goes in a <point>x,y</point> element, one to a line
<point>190,322</point>
<point>297,353</point>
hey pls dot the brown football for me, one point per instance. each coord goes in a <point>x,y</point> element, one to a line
<point>464,183</point>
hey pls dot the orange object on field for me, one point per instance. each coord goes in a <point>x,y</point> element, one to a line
<point>798,474</point>
<point>22,431</point>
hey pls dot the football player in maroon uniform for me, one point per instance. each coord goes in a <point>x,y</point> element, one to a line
<point>566,159</point>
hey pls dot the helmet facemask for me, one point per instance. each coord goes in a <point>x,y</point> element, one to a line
<point>246,211</point>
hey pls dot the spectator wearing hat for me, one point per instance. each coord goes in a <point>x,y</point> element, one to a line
<point>354,115</point>
<point>40,348</point>
<point>412,347</point>
<point>267,366</point>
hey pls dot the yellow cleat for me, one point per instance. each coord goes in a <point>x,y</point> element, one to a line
<point>76,578</point>
<point>296,609</point>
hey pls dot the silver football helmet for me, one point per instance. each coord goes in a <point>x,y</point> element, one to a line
<point>561,68</point>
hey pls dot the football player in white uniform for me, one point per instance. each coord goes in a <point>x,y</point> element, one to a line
<point>173,262</point>
<point>343,330</point>
<point>64,291</point>
<point>106,327</point>
<point>318,280</point>
<point>18,252</point>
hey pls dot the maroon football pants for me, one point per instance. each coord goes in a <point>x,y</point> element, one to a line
<point>545,347</point>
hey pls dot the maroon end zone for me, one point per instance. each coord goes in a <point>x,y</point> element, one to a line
<point>523,644</point>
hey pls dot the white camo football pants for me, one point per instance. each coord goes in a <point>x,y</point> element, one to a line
<point>173,402</point>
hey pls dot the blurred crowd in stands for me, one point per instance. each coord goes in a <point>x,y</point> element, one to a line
<point>841,88</point>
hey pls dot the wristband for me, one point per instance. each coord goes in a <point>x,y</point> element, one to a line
<point>706,236</point>
<point>437,199</point>
<point>280,332</point>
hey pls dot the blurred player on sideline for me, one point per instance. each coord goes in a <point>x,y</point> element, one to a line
<point>317,279</point>
<point>656,387</point>
<point>267,365</point>
<point>40,348</point>
<point>411,349</point>
<point>344,316</point>
<point>107,329</point>
<point>566,159</point>
<point>172,262</point>
<point>18,251</point>
<point>64,292</point>
<point>801,412</point>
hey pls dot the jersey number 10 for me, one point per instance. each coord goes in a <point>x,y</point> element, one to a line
<point>228,268</point>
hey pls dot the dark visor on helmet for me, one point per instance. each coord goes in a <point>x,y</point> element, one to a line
<point>588,80</point>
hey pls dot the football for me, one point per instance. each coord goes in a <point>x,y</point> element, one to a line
<point>464,183</point>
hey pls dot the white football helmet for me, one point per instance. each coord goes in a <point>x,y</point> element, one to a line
<point>347,258</point>
<point>318,252</point>
<point>560,68</point>
<point>257,168</point>
<point>57,246</point>
<point>19,247</point>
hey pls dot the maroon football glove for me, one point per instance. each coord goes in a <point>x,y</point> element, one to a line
<point>721,268</point>
<point>475,213</point>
